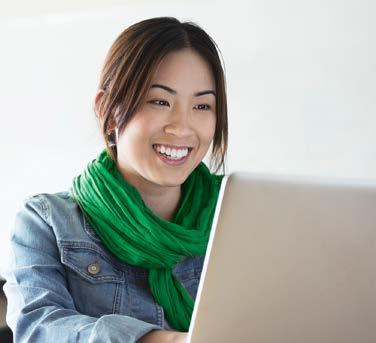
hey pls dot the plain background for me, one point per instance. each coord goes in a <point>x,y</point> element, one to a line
<point>300,81</point>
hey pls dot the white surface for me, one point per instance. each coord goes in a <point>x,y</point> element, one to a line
<point>300,79</point>
<point>304,267</point>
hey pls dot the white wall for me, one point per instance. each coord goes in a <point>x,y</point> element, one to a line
<point>300,75</point>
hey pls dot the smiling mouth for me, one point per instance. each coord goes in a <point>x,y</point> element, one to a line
<point>172,160</point>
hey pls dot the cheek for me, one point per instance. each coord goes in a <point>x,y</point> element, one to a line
<point>139,130</point>
<point>207,129</point>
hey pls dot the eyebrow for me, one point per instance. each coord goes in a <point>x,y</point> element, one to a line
<point>172,91</point>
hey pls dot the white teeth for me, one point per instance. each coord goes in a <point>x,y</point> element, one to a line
<point>173,153</point>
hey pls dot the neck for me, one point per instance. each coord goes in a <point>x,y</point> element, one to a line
<point>162,200</point>
<point>163,204</point>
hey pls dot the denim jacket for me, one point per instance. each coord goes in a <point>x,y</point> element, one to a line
<point>63,285</point>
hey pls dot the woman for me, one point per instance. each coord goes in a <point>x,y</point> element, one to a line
<point>118,257</point>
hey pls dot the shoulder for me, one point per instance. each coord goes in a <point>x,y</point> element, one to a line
<point>55,212</point>
<point>50,206</point>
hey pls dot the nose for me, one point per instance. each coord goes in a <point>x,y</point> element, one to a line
<point>179,123</point>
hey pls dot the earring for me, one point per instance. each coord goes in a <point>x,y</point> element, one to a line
<point>111,139</point>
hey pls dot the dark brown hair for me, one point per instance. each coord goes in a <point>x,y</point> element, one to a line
<point>131,63</point>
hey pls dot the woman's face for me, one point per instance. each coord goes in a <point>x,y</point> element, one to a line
<point>174,113</point>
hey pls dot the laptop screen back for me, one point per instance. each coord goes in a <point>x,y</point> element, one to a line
<point>290,259</point>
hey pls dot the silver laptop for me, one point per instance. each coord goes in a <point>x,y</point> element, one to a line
<point>290,260</point>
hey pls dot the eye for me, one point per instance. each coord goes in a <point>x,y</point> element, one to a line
<point>158,102</point>
<point>204,108</point>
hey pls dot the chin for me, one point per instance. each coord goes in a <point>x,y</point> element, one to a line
<point>170,182</point>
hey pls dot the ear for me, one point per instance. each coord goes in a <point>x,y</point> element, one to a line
<point>98,106</point>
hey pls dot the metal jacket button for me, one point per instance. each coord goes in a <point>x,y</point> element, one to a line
<point>94,268</point>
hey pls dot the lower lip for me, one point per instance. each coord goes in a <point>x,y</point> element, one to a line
<point>173,162</point>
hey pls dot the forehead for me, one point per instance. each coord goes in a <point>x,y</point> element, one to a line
<point>184,68</point>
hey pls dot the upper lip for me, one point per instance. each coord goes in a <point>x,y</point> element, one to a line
<point>174,146</point>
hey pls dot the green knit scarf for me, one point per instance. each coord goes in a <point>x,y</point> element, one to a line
<point>137,236</point>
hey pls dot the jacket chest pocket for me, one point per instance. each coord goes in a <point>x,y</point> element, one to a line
<point>189,274</point>
<point>190,281</point>
<point>93,281</point>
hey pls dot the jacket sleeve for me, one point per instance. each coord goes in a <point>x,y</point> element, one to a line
<point>40,307</point>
